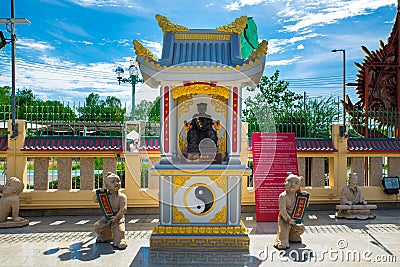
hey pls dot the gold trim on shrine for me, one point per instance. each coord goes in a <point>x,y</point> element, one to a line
<point>195,89</point>
<point>235,27</point>
<point>260,51</point>
<point>142,51</point>
<point>167,26</point>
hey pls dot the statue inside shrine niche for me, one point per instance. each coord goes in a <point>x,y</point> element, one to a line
<point>200,128</point>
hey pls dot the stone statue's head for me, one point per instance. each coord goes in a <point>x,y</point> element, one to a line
<point>13,186</point>
<point>202,107</point>
<point>292,182</point>
<point>353,179</point>
<point>112,182</point>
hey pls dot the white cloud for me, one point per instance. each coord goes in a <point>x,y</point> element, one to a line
<point>300,47</point>
<point>56,79</point>
<point>90,3</point>
<point>282,62</point>
<point>33,44</point>
<point>233,6</point>
<point>236,5</point>
<point>276,46</point>
<point>155,47</point>
<point>303,14</point>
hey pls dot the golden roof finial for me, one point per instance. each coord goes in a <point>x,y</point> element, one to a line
<point>142,51</point>
<point>235,27</point>
<point>260,51</point>
<point>167,26</point>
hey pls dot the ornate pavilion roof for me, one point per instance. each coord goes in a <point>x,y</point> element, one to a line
<point>201,54</point>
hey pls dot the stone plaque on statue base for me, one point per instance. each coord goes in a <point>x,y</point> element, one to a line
<point>201,158</point>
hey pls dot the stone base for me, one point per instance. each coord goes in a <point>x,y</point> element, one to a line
<point>9,223</point>
<point>360,212</point>
<point>211,238</point>
<point>199,258</point>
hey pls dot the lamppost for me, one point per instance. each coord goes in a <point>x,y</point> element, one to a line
<point>343,128</point>
<point>133,80</point>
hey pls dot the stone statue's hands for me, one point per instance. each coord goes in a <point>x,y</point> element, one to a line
<point>349,203</point>
<point>364,202</point>
<point>114,219</point>
<point>292,222</point>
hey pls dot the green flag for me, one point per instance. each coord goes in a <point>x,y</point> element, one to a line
<point>249,38</point>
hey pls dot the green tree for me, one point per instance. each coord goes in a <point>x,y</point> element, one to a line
<point>154,114</point>
<point>271,105</point>
<point>142,110</point>
<point>274,108</point>
<point>25,97</point>
<point>5,95</point>
<point>96,109</point>
<point>148,110</point>
<point>319,115</point>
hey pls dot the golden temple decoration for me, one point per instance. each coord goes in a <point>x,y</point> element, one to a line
<point>179,217</point>
<point>182,144</point>
<point>179,181</point>
<point>202,36</point>
<point>167,26</point>
<point>260,51</point>
<point>142,51</point>
<point>235,27</point>
<point>220,103</point>
<point>184,104</point>
<point>220,217</point>
<point>220,181</point>
<point>194,89</point>
<point>200,230</point>
<point>240,172</point>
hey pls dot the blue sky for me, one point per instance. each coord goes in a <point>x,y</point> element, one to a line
<point>72,47</point>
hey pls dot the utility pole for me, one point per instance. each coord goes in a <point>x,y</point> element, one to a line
<point>13,21</point>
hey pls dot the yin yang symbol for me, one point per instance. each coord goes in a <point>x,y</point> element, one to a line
<point>199,199</point>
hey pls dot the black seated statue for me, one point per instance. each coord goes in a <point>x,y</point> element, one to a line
<point>201,127</point>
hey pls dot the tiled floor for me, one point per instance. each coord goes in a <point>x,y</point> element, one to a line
<point>69,240</point>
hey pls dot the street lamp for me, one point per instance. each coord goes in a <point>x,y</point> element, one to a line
<point>133,80</point>
<point>343,128</point>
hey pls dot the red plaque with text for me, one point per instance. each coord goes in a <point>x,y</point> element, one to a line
<point>274,155</point>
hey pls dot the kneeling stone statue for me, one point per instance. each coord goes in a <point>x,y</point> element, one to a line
<point>112,227</point>
<point>288,229</point>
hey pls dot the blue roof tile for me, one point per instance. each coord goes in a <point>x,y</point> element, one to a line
<point>208,47</point>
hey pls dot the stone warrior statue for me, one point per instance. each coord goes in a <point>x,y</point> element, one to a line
<point>201,127</point>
